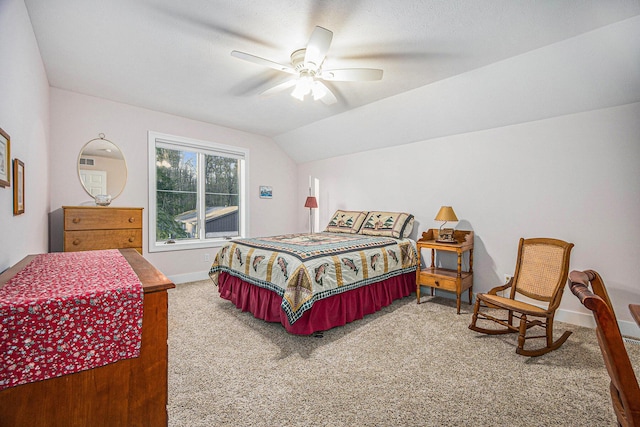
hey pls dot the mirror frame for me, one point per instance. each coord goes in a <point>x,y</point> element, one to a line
<point>101,137</point>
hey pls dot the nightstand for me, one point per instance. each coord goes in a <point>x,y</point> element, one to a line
<point>443,278</point>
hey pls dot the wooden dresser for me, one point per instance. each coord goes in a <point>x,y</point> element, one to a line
<point>130,392</point>
<point>97,227</point>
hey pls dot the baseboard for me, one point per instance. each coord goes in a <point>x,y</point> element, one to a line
<point>575,318</point>
<point>627,329</point>
<point>189,277</point>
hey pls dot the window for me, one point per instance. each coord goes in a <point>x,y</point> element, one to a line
<point>196,193</point>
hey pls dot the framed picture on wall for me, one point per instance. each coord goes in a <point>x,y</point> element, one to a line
<point>5,159</point>
<point>266,192</point>
<point>18,187</point>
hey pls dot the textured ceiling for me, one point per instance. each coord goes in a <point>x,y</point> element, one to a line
<point>174,57</point>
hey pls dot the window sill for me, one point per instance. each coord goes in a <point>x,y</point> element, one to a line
<point>183,246</point>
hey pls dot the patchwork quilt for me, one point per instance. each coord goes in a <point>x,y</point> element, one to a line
<point>304,268</point>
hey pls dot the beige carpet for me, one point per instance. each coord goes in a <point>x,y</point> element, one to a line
<point>407,365</point>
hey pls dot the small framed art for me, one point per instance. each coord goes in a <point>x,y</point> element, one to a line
<point>266,192</point>
<point>5,159</point>
<point>18,187</point>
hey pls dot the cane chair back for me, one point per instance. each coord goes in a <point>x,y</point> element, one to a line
<point>540,271</point>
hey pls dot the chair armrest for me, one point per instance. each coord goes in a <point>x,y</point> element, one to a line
<point>582,277</point>
<point>494,291</point>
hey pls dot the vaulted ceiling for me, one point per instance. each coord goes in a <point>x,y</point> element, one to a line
<point>174,56</point>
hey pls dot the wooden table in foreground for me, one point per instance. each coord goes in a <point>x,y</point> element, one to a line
<point>635,312</point>
<point>130,392</point>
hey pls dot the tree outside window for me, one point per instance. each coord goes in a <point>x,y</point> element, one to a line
<point>198,192</point>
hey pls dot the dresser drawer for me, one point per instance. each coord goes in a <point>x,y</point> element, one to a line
<point>101,218</point>
<point>438,282</point>
<point>102,239</point>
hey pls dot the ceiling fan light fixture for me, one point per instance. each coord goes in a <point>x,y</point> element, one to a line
<point>303,87</point>
<point>298,93</point>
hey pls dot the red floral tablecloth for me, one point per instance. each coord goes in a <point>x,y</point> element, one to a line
<point>67,312</point>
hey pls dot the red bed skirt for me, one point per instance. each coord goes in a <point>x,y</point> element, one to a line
<point>326,313</point>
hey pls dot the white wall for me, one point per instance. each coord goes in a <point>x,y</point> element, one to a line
<point>76,119</point>
<point>543,144</point>
<point>575,178</point>
<point>24,115</point>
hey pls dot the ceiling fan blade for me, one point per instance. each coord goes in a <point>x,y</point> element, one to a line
<point>194,20</point>
<point>352,74</point>
<point>279,87</point>
<point>317,47</point>
<point>262,61</point>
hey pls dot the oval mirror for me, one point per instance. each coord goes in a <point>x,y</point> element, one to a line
<point>102,168</point>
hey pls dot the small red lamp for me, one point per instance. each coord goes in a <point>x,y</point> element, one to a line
<point>311,203</point>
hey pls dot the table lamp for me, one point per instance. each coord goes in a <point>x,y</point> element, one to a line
<point>445,214</point>
<point>311,203</point>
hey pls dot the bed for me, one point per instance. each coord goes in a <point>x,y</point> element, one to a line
<point>361,262</point>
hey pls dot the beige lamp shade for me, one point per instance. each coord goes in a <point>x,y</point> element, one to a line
<point>446,213</point>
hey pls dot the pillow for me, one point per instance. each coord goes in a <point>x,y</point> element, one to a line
<point>408,227</point>
<point>346,221</point>
<point>390,224</point>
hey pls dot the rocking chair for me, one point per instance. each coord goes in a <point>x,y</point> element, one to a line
<point>541,273</point>
<point>625,392</point>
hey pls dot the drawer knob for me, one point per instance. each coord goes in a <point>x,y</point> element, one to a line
<point>131,239</point>
<point>75,220</point>
<point>437,283</point>
<point>132,220</point>
<point>76,242</point>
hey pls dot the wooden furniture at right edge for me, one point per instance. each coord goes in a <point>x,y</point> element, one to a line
<point>443,278</point>
<point>130,392</point>
<point>635,312</point>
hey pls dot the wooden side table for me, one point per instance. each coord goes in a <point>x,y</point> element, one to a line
<point>443,278</point>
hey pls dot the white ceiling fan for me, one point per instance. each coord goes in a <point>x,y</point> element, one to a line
<point>306,67</point>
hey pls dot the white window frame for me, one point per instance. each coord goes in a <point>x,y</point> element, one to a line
<point>156,139</point>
